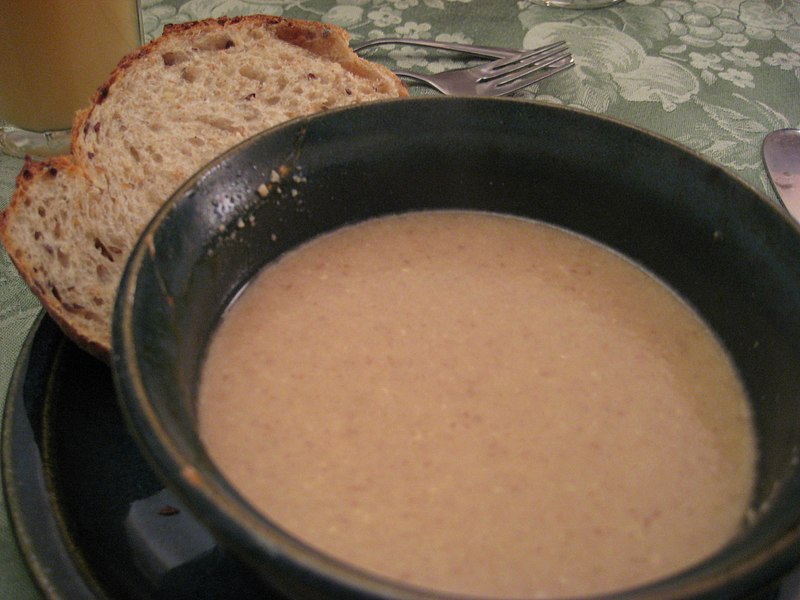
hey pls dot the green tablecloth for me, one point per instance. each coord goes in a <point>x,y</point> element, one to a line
<point>716,76</point>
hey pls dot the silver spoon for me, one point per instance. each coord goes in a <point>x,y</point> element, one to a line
<point>781,151</point>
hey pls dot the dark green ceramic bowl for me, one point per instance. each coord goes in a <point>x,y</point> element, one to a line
<point>720,244</point>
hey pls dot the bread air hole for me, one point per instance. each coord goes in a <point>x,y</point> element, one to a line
<point>218,122</point>
<point>103,250</point>
<point>174,58</point>
<point>63,258</point>
<point>152,154</point>
<point>219,41</point>
<point>190,74</point>
<point>251,72</point>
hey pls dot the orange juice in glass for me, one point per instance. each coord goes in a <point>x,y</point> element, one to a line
<point>53,55</point>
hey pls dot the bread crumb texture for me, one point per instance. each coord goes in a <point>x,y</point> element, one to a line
<point>167,109</point>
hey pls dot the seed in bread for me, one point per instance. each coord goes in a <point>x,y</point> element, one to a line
<point>167,109</point>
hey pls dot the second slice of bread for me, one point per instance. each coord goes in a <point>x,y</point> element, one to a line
<point>166,110</point>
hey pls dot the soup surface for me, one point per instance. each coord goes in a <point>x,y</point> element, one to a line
<point>481,404</point>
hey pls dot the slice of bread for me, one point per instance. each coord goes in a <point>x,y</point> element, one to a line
<point>167,109</point>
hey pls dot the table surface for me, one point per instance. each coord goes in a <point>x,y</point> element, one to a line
<point>715,76</point>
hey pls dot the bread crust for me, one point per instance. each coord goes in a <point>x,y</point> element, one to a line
<point>63,313</point>
<point>55,228</point>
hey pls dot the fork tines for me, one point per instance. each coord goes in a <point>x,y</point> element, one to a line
<point>527,68</point>
<point>543,56</point>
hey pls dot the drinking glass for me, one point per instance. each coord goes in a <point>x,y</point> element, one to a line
<point>55,54</point>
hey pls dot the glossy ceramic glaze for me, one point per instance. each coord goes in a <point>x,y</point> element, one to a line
<point>716,241</point>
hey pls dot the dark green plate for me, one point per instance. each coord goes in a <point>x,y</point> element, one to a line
<point>90,517</point>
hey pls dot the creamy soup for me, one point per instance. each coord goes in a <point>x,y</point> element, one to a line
<point>480,404</point>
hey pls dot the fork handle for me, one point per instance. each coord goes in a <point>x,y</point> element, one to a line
<point>419,77</point>
<point>482,51</point>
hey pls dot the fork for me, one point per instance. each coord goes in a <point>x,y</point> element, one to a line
<point>482,51</point>
<point>502,76</point>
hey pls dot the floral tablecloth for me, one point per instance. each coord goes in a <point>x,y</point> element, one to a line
<point>714,75</point>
